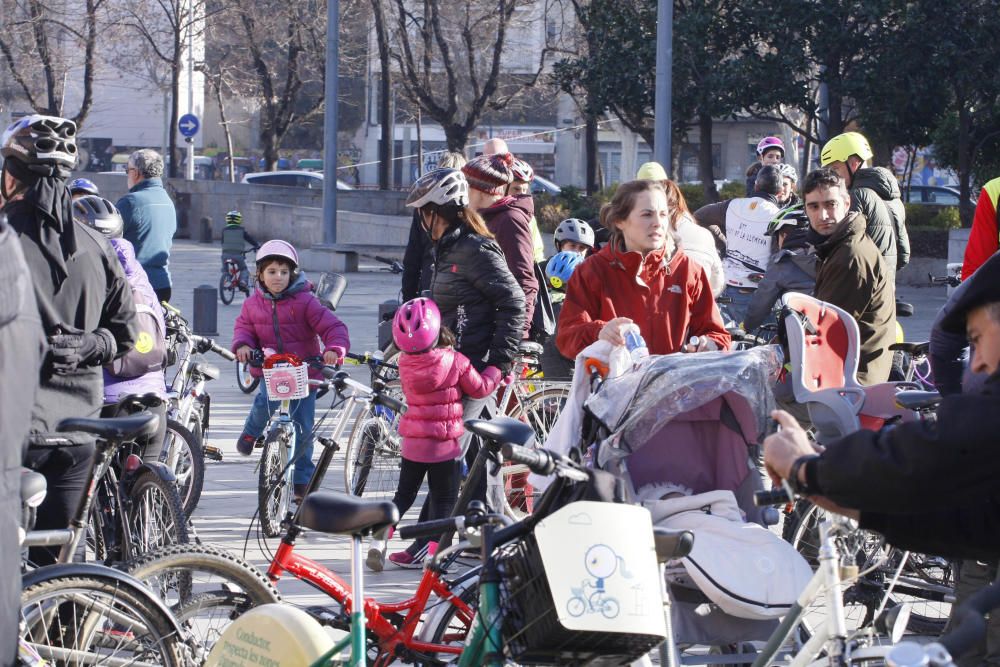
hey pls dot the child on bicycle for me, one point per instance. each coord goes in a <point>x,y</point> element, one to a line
<point>234,240</point>
<point>283,314</point>
<point>557,274</point>
<point>434,377</point>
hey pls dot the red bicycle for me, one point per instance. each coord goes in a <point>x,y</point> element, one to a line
<point>392,627</point>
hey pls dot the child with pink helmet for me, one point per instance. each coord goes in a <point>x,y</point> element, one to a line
<point>434,377</point>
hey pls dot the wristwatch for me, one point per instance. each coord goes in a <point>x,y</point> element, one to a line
<point>809,486</point>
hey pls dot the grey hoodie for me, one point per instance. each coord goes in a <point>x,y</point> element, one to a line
<point>790,270</point>
<point>880,183</point>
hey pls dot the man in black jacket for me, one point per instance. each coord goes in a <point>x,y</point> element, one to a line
<point>21,347</point>
<point>927,486</point>
<point>83,299</point>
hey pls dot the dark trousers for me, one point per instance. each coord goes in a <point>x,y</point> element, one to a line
<point>163,294</point>
<point>152,446</point>
<point>66,470</point>
<point>973,576</point>
<point>442,484</point>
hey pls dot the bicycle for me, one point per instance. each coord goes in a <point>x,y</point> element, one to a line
<point>85,613</point>
<point>184,448</point>
<point>229,281</point>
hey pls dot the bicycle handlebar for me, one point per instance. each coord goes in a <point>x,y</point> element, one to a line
<point>431,528</point>
<point>545,462</point>
<point>208,345</point>
<point>778,496</point>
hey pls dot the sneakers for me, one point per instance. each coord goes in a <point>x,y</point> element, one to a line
<point>409,560</point>
<point>245,444</point>
<point>376,555</point>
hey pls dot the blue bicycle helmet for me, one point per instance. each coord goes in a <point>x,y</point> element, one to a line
<point>83,186</point>
<point>561,266</point>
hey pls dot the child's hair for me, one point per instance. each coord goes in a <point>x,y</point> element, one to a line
<point>446,338</point>
<point>268,261</point>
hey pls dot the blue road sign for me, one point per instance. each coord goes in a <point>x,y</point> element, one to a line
<point>189,125</point>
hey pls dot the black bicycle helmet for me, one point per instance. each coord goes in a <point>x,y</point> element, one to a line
<point>46,144</point>
<point>100,214</point>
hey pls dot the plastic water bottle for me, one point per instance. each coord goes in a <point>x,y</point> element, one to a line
<point>635,344</point>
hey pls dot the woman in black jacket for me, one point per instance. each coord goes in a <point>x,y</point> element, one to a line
<point>478,297</point>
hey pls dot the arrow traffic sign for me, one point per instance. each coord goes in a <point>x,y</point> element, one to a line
<point>189,125</point>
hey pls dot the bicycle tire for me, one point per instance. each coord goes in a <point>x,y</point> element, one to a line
<point>274,496</point>
<point>540,410</point>
<point>155,515</point>
<point>190,467</point>
<point>226,289</point>
<point>103,541</point>
<point>244,380</point>
<point>136,629</point>
<point>372,457</point>
<point>452,628</point>
<point>181,573</point>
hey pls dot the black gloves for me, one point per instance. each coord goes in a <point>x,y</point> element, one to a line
<point>72,351</point>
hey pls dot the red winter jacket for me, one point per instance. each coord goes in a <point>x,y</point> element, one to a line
<point>293,321</point>
<point>669,300</point>
<point>434,383</point>
<point>510,222</point>
<point>984,239</point>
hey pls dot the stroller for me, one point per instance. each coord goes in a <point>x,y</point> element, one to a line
<point>681,432</point>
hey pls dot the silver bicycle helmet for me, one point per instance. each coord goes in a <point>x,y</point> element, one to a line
<point>99,214</point>
<point>574,229</point>
<point>441,187</point>
<point>788,171</point>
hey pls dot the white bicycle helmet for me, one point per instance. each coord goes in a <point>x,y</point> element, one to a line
<point>441,187</point>
<point>788,171</point>
<point>574,229</point>
<point>278,248</point>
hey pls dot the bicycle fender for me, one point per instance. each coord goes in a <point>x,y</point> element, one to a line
<point>161,470</point>
<point>94,571</point>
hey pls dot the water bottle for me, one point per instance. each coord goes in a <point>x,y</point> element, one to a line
<point>635,344</point>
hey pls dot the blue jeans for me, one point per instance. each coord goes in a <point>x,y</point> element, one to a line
<point>302,412</point>
<point>736,310</point>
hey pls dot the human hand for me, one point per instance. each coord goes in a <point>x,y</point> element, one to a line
<point>244,353</point>
<point>781,449</point>
<point>71,351</point>
<point>334,355</point>
<point>492,376</point>
<point>700,344</point>
<point>613,331</point>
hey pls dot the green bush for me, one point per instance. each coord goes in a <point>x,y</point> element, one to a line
<point>694,196</point>
<point>947,218</point>
<point>733,189</point>
<point>922,216</point>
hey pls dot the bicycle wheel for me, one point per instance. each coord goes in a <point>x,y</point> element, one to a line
<point>244,380</point>
<point>204,586</point>
<point>103,542</point>
<point>189,468</point>
<point>274,497</point>
<point>155,517</point>
<point>452,626</point>
<point>372,458</point>
<point>540,410</point>
<point>927,585</point>
<point>89,619</point>
<point>227,290</point>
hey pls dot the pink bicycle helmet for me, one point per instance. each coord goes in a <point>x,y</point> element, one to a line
<point>770,142</point>
<point>278,248</point>
<point>416,326</point>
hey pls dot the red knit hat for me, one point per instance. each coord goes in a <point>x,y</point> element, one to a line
<point>490,173</point>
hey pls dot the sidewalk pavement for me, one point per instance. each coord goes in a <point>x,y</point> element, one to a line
<point>230,496</point>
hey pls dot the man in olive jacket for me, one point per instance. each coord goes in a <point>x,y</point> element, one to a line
<point>851,273</point>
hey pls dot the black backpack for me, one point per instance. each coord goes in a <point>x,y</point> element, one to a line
<point>543,320</point>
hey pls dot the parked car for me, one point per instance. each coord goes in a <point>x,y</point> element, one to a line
<point>934,195</point>
<point>295,179</point>
<point>540,184</point>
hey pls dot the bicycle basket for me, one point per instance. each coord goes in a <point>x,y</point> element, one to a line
<point>286,378</point>
<point>568,596</point>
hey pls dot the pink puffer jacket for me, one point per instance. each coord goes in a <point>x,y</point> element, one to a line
<point>434,383</point>
<point>293,322</point>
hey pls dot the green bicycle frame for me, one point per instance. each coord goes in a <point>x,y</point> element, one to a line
<point>484,645</point>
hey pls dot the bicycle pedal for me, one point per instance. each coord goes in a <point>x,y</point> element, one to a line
<point>328,443</point>
<point>326,616</point>
<point>212,452</point>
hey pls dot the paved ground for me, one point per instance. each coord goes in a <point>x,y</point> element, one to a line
<point>229,500</point>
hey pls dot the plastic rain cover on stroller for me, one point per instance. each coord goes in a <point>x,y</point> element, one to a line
<point>683,432</point>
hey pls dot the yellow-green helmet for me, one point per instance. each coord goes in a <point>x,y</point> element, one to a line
<point>844,146</point>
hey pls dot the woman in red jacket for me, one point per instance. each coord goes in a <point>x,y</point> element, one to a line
<point>641,277</point>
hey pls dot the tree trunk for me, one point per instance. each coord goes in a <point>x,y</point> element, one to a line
<point>456,137</point>
<point>387,121</point>
<point>175,85</point>
<point>225,128</point>
<point>965,209</point>
<point>592,154</point>
<point>269,144</point>
<point>706,170</point>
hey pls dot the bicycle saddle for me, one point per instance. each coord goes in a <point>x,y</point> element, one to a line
<point>918,400</point>
<point>343,514</point>
<point>503,430</point>
<point>671,544</point>
<point>139,401</point>
<point>119,429</point>
<point>904,309</point>
<point>528,347</point>
<point>913,349</point>
<point>33,487</point>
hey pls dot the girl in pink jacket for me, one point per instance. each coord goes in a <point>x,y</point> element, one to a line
<point>284,315</point>
<point>434,377</point>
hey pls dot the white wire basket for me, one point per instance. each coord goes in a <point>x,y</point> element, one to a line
<point>285,381</point>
